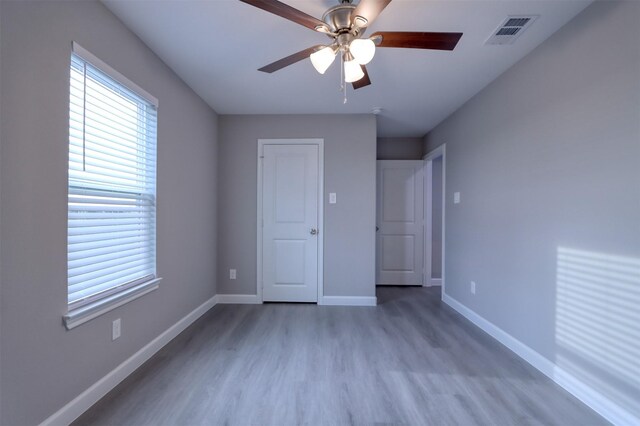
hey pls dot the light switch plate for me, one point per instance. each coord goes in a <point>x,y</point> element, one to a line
<point>232,274</point>
<point>115,329</point>
<point>332,198</point>
<point>456,198</point>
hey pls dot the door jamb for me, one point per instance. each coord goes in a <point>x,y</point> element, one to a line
<point>320,144</point>
<point>440,151</point>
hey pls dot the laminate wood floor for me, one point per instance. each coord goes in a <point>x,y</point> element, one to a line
<point>410,360</point>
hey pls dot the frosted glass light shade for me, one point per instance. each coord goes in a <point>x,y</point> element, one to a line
<point>362,50</point>
<point>323,58</point>
<point>352,71</point>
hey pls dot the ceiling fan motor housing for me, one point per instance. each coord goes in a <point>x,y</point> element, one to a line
<point>338,18</point>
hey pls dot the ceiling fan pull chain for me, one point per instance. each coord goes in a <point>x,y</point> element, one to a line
<point>342,73</point>
<point>343,84</point>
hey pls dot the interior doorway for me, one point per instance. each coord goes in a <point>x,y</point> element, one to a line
<point>290,229</point>
<point>435,197</point>
<point>400,218</point>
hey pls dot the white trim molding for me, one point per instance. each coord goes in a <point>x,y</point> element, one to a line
<point>93,59</point>
<point>86,399</point>
<point>87,313</point>
<point>588,395</point>
<point>438,152</point>
<point>434,282</point>
<point>348,301</point>
<point>239,299</point>
<point>428,223</point>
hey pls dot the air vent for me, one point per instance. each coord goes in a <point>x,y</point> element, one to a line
<point>510,29</point>
<point>517,22</point>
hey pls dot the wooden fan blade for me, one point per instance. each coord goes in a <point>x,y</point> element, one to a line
<point>287,12</point>
<point>435,41</point>
<point>369,10</point>
<point>364,81</point>
<point>290,60</point>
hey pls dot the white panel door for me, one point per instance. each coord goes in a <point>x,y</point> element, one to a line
<point>290,223</point>
<point>400,221</point>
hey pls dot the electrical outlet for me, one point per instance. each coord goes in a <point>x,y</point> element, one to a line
<point>232,274</point>
<point>115,329</point>
<point>473,287</point>
<point>456,198</point>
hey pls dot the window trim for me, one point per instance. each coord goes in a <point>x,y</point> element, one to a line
<point>104,67</point>
<point>133,290</point>
<point>88,312</point>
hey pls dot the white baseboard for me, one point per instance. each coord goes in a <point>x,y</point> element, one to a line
<point>591,397</point>
<point>348,301</point>
<point>246,299</point>
<point>86,399</point>
<point>433,282</point>
<point>239,299</point>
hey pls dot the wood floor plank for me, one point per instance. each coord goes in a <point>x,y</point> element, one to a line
<point>410,360</point>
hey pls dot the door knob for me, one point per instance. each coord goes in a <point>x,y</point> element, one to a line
<point>313,231</point>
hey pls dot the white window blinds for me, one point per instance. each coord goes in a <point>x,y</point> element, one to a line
<point>112,186</point>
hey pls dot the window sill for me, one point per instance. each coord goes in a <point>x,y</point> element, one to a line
<point>86,313</point>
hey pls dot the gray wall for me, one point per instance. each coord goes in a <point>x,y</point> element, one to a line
<point>349,170</point>
<point>44,366</point>
<point>399,149</point>
<point>436,222</point>
<point>1,239</point>
<point>547,162</point>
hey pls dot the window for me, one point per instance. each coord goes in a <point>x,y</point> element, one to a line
<point>111,232</point>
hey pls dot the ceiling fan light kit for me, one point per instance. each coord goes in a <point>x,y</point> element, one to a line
<point>363,50</point>
<point>352,70</point>
<point>345,25</point>
<point>323,58</point>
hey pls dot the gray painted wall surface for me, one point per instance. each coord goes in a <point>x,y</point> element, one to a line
<point>1,239</point>
<point>44,366</point>
<point>399,149</point>
<point>436,222</point>
<point>349,170</point>
<point>547,162</point>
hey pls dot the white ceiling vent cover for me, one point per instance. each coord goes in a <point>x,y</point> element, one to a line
<point>510,29</point>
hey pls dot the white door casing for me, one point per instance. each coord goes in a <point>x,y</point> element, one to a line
<point>400,222</point>
<point>290,195</point>
<point>439,152</point>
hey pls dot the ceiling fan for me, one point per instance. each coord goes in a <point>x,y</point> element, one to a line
<point>345,25</point>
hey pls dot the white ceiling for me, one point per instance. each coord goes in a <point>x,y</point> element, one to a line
<point>216,47</point>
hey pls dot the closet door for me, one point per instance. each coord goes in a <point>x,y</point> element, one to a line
<point>400,222</point>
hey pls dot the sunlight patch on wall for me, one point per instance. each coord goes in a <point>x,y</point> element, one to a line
<point>598,323</point>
